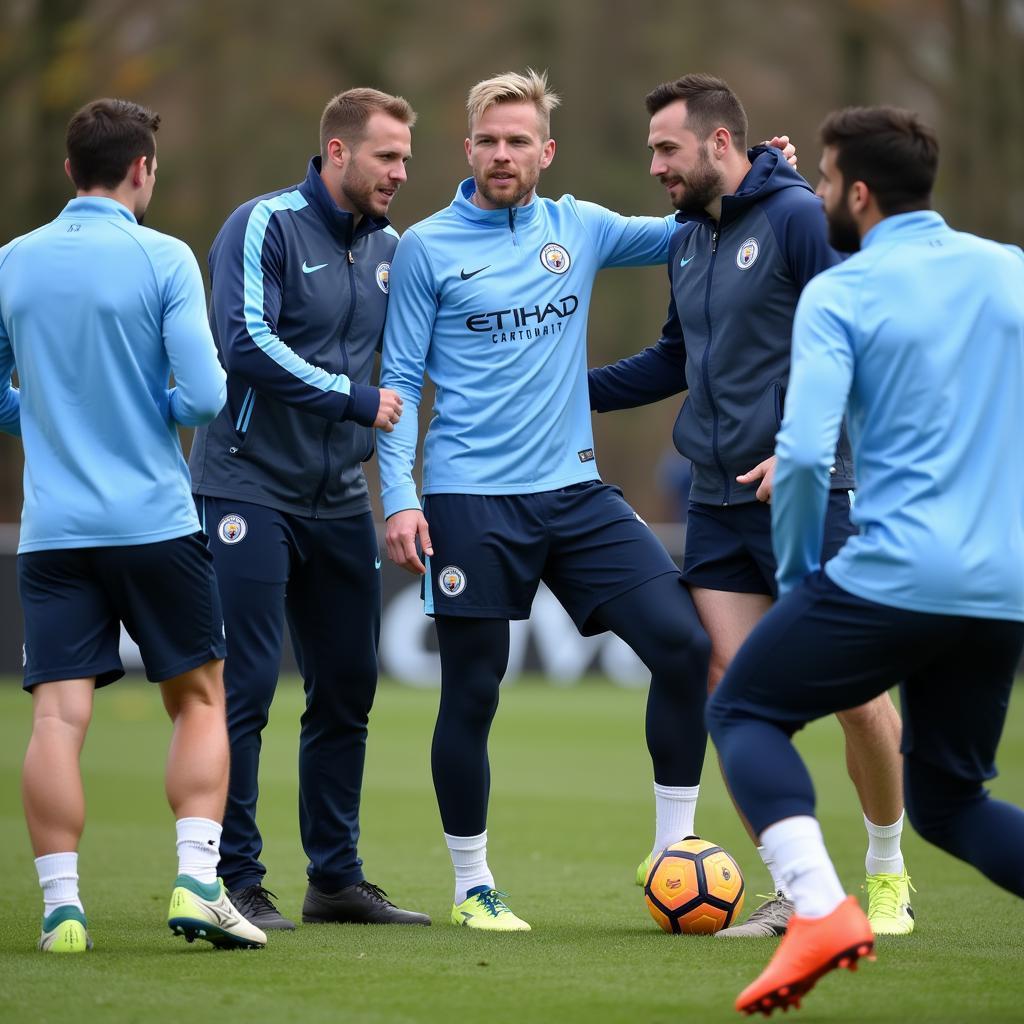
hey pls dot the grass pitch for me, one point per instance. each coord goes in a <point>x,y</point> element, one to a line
<point>571,816</point>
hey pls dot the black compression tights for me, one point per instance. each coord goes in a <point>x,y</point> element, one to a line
<point>657,619</point>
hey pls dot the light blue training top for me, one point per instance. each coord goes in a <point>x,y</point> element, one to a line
<point>493,305</point>
<point>96,312</point>
<point>919,339</point>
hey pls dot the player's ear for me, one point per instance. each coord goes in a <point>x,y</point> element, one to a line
<point>469,150</point>
<point>338,153</point>
<point>547,154</point>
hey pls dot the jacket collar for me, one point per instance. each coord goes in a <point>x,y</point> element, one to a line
<point>510,217</point>
<point>97,206</point>
<point>903,225</point>
<point>340,222</point>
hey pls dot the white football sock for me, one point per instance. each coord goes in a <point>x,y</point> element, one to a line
<point>58,878</point>
<point>198,848</point>
<point>798,849</point>
<point>884,854</point>
<point>469,858</point>
<point>777,882</point>
<point>674,810</point>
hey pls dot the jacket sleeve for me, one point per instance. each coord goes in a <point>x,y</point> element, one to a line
<point>408,329</point>
<point>247,265</point>
<point>657,372</point>
<point>802,232</point>
<point>10,400</point>
<point>626,241</point>
<point>199,392</point>
<point>821,374</point>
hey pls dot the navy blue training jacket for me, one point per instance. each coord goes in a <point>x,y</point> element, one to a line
<point>726,342</point>
<point>299,298</point>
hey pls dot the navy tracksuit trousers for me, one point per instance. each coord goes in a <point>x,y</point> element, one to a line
<point>323,575</point>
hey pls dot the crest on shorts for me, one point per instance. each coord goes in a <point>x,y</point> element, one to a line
<point>747,253</point>
<point>232,529</point>
<point>555,258</point>
<point>382,274</point>
<point>451,580</point>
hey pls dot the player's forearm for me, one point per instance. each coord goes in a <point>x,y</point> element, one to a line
<point>799,501</point>
<point>396,456</point>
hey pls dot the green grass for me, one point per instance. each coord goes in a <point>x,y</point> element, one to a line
<point>571,817</point>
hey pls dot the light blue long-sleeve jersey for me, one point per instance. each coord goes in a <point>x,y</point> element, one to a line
<point>919,338</point>
<point>96,312</point>
<point>493,305</point>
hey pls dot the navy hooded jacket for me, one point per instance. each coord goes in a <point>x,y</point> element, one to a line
<point>735,286</point>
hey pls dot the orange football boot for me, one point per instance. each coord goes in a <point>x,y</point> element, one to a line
<point>811,947</point>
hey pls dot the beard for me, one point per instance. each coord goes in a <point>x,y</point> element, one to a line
<point>360,192</point>
<point>843,235</point>
<point>524,185</point>
<point>701,187</point>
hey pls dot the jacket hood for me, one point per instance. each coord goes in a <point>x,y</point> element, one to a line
<point>769,172</point>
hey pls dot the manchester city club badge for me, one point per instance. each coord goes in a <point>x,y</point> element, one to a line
<point>452,580</point>
<point>747,253</point>
<point>555,258</point>
<point>232,528</point>
<point>382,274</point>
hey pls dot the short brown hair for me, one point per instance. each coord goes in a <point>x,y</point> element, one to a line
<point>513,87</point>
<point>710,104</point>
<point>891,150</point>
<point>346,115</point>
<point>105,137</point>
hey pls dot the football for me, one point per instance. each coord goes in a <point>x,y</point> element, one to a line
<point>694,887</point>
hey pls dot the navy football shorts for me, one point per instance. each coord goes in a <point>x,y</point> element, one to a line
<point>729,547</point>
<point>74,600</point>
<point>492,551</point>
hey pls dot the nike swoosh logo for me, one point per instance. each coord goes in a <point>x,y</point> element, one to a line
<point>472,273</point>
<point>307,269</point>
<point>376,563</point>
<point>683,262</point>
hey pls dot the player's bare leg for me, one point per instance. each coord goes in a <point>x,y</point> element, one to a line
<point>51,783</point>
<point>197,761</point>
<point>875,764</point>
<point>54,801</point>
<point>197,787</point>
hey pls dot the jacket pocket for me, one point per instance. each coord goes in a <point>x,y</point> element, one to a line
<point>243,423</point>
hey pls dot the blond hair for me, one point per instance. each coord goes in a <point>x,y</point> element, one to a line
<point>346,115</point>
<point>513,87</point>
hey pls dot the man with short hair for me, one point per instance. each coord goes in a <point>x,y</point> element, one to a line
<point>918,339</point>
<point>751,234</point>
<point>96,313</point>
<point>490,299</point>
<point>300,287</point>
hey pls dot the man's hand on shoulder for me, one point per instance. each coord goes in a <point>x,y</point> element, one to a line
<point>788,149</point>
<point>403,530</point>
<point>765,472</point>
<point>389,412</point>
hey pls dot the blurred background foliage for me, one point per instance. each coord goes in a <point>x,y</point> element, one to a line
<point>241,84</point>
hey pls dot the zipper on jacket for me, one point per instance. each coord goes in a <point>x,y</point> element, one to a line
<point>706,375</point>
<point>328,427</point>
<point>512,225</point>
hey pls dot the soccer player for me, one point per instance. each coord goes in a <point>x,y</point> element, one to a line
<point>490,297</point>
<point>751,235</point>
<point>96,312</point>
<point>300,286</point>
<point>930,593</point>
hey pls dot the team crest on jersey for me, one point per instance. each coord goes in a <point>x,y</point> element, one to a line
<point>747,253</point>
<point>382,275</point>
<point>451,580</point>
<point>555,258</point>
<point>232,529</point>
